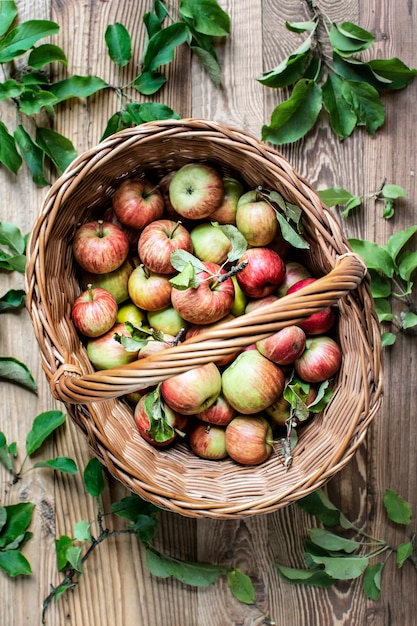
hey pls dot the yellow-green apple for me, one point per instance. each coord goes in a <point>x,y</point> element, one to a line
<point>115,281</point>
<point>160,426</point>
<point>263,273</point>
<point>317,323</point>
<point>129,312</point>
<point>210,301</point>
<point>100,247</point>
<point>158,240</point>
<point>197,329</point>
<point>284,346</point>
<point>137,202</point>
<point>167,320</point>
<point>240,301</point>
<point>256,219</point>
<point>226,213</point>
<point>219,413</point>
<point>196,190</point>
<point>252,382</point>
<point>148,290</point>
<point>94,311</point>
<point>210,243</point>
<point>208,441</point>
<point>249,439</point>
<point>321,359</point>
<point>106,352</point>
<point>294,272</point>
<point>194,390</point>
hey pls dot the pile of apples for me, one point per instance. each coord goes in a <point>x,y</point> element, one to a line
<point>172,257</point>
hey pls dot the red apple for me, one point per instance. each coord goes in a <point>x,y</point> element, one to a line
<point>210,243</point>
<point>163,185</point>
<point>100,247</point>
<point>249,439</point>
<point>148,290</point>
<point>210,301</point>
<point>115,281</point>
<point>264,272</point>
<point>196,190</point>
<point>131,233</point>
<point>256,219</point>
<point>162,431</point>
<point>137,203</point>
<point>252,382</point>
<point>252,305</point>
<point>226,213</point>
<point>284,346</point>
<point>194,390</point>
<point>320,360</point>
<point>219,413</point>
<point>94,311</point>
<point>208,441</point>
<point>294,271</point>
<point>197,329</point>
<point>158,240</point>
<point>106,352</point>
<point>320,322</point>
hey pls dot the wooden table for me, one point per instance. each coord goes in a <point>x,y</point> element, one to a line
<point>116,588</point>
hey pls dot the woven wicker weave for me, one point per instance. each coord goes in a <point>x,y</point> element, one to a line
<point>175,479</point>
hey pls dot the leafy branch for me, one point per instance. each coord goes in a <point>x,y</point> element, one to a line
<point>387,194</point>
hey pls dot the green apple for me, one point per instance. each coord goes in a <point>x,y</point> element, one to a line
<point>241,300</point>
<point>210,243</point>
<point>256,219</point>
<point>129,312</point>
<point>167,320</point>
<point>226,213</point>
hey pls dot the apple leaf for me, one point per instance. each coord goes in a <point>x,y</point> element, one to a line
<point>119,44</point>
<point>238,241</point>
<point>318,504</point>
<point>195,574</point>
<point>32,154</point>
<point>313,577</point>
<point>159,428</point>
<point>290,70</point>
<point>398,509</point>
<point>372,581</point>
<point>366,104</point>
<point>404,551</point>
<point>342,118</point>
<point>93,477</point>
<point>60,464</point>
<point>17,372</point>
<point>43,425</point>
<point>148,83</point>
<point>9,155</point>
<point>241,586</point>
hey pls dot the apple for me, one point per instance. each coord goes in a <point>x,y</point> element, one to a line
<point>294,272</point>
<point>240,301</point>
<point>264,272</point>
<point>163,186</point>
<point>137,203</point>
<point>210,301</point>
<point>210,243</point>
<point>279,412</point>
<point>158,240</point>
<point>256,219</point>
<point>320,322</point>
<point>131,233</point>
<point>249,439</point>
<point>159,432</point>
<point>194,390</point>
<point>167,320</point>
<point>219,413</point>
<point>129,312</point>
<point>106,352</point>
<point>252,382</point>
<point>208,441</point>
<point>196,190</point>
<point>320,360</point>
<point>198,329</point>
<point>148,290</point>
<point>156,345</point>
<point>226,213</point>
<point>115,281</point>
<point>100,247</point>
<point>252,305</point>
<point>280,245</point>
<point>94,311</point>
<point>284,346</point>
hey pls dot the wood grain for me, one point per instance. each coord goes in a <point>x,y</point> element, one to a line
<point>117,588</point>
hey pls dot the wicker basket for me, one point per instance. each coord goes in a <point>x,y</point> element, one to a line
<point>175,479</point>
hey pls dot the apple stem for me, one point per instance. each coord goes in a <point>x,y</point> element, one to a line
<point>178,337</point>
<point>145,270</point>
<point>175,228</point>
<point>90,292</point>
<point>100,228</point>
<point>235,269</point>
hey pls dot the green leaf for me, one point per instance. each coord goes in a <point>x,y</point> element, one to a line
<point>148,83</point>
<point>290,234</point>
<point>210,64</point>
<point>372,581</point>
<point>383,310</point>
<point>207,16</point>
<point>14,563</point>
<point>332,542</point>
<point>300,27</point>
<point>160,10</point>
<point>119,43</point>
<point>10,89</point>
<point>312,577</point>
<point>11,237</point>
<point>19,516</point>
<point>159,428</point>
<point>152,23</point>
<point>409,320</point>
<point>374,256</point>
<point>43,425</point>
<point>32,155</point>
<point>32,101</point>
<point>407,264</point>
<point>392,72</point>
<point>348,38</point>
<point>17,372</point>
<point>131,507</point>
<point>393,192</point>
<point>57,147</point>
<point>404,551</point>
<point>241,586</point>
<point>342,568</point>
<point>161,47</point>
<point>351,204</point>
<point>10,263</point>
<point>151,111</point>
<point>333,196</point>
<point>185,279</point>
<point>366,104</point>
<point>398,240</point>
<point>319,505</point>
<point>73,555</point>
<point>290,70</point>
<point>388,339</point>
<point>145,527</point>
<point>398,510</point>
<point>3,510</point>
<point>60,464</point>
<point>189,573</point>
<point>9,156</point>
<point>380,285</point>
<point>238,241</point>
<point>180,259</point>
<point>61,546</point>
<point>46,53</point>
<point>82,531</point>
<point>388,211</point>
<point>94,477</point>
<point>118,121</point>
<point>23,37</point>
<point>292,119</point>
<point>8,13</point>
<point>77,87</point>
<point>342,118</point>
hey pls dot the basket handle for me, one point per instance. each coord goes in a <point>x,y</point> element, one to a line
<point>70,384</point>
